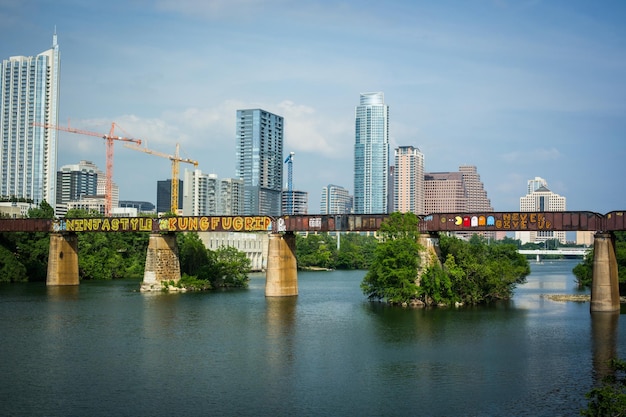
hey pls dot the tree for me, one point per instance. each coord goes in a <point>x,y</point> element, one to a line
<point>610,398</point>
<point>584,270</point>
<point>195,259</point>
<point>393,273</point>
<point>11,269</point>
<point>231,269</point>
<point>45,211</point>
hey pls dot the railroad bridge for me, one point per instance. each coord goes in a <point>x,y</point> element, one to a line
<point>281,275</point>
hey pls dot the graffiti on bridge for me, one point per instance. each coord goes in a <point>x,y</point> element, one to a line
<point>168,224</point>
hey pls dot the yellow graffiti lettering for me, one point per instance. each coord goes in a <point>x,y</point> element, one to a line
<point>106,225</point>
<point>163,224</point>
<point>215,222</point>
<point>204,224</point>
<point>115,224</point>
<point>172,224</point>
<point>183,223</point>
<point>533,218</point>
<point>227,223</point>
<point>238,223</point>
<point>145,224</point>
<point>133,223</point>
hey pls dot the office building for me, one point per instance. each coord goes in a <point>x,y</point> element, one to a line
<point>408,180</point>
<point>29,98</point>
<point>540,199</point>
<point>299,203</point>
<point>231,197</point>
<point>259,154</point>
<point>450,192</point>
<point>335,200</point>
<point>140,206</point>
<point>477,200</point>
<point>444,192</point>
<point>209,195</point>
<point>75,182</point>
<point>371,155</point>
<point>164,196</point>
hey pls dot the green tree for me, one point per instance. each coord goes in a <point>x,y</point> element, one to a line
<point>231,269</point>
<point>609,399</point>
<point>584,270</point>
<point>195,259</point>
<point>393,273</point>
<point>11,269</point>
<point>44,211</point>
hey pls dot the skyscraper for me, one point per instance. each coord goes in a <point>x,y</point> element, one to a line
<point>335,200</point>
<point>540,198</point>
<point>371,154</point>
<point>29,94</point>
<point>259,153</point>
<point>408,181</point>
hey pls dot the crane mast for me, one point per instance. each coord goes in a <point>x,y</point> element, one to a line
<point>110,138</point>
<point>289,162</point>
<point>176,159</point>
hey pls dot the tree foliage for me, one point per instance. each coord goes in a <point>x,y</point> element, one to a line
<point>469,272</point>
<point>393,273</point>
<point>224,267</point>
<point>584,270</point>
<point>609,399</point>
<point>474,272</point>
<point>320,251</point>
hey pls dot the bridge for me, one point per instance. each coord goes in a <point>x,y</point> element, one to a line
<point>281,274</point>
<point>580,252</point>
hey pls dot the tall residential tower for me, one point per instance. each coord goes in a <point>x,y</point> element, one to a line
<point>259,153</point>
<point>408,180</point>
<point>371,155</point>
<point>29,95</point>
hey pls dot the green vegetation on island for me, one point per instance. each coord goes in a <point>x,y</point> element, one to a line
<point>584,270</point>
<point>468,272</point>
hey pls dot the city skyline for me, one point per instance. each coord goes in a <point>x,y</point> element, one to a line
<point>517,89</point>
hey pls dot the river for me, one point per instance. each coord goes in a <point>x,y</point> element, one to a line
<point>105,349</point>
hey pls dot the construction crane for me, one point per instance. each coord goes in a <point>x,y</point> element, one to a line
<point>175,160</point>
<point>110,138</point>
<point>289,162</point>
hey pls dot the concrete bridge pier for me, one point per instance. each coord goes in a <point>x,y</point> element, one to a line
<point>604,283</point>
<point>281,275</point>
<point>63,259</point>
<point>162,263</point>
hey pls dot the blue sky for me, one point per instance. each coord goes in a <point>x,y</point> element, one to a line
<point>518,88</point>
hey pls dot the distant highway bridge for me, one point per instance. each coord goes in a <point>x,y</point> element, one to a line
<point>560,251</point>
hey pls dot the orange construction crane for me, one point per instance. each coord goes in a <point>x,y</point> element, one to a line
<point>175,160</point>
<point>108,189</point>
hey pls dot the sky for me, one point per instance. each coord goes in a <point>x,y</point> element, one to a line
<point>520,89</point>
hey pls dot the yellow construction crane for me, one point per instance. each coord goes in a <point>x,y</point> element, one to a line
<point>175,160</point>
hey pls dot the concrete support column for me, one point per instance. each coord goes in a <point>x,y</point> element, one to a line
<point>162,263</point>
<point>281,276</point>
<point>604,284</point>
<point>63,259</point>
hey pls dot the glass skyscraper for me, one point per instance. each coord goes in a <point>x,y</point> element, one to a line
<point>259,153</point>
<point>371,155</point>
<point>29,94</point>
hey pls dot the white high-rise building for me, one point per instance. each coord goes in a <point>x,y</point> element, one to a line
<point>539,199</point>
<point>408,180</point>
<point>208,195</point>
<point>335,200</point>
<point>29,98</point>
<point>371,155</point>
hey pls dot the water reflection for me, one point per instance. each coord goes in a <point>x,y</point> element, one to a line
<point>63,292</point>
<point>604,342</point>
<point>280,317</point>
